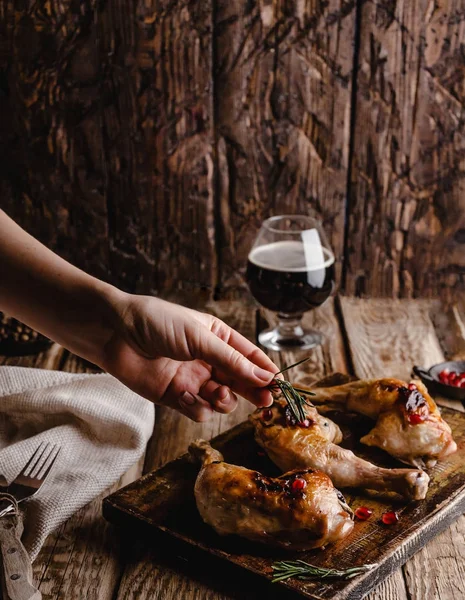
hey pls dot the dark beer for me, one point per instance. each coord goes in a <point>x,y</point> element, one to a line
<point>289,277</point>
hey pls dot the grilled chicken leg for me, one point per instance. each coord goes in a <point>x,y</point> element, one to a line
<point>298,511</point>
<point>408,425</point>
<point>313,444</point>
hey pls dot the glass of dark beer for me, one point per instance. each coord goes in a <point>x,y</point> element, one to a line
<point>290,270</point>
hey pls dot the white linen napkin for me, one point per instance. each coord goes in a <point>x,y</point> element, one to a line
<point>101,427</point>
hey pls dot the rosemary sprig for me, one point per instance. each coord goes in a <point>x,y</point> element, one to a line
<point>294,400</point>
<point>300,569</point>
<point>293,365</point>
<point>292,395</point>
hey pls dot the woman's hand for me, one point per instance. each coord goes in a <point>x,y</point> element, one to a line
<point>172,355</point>
<point>178,357</point>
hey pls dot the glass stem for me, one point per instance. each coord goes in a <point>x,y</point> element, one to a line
<point>290,326</point>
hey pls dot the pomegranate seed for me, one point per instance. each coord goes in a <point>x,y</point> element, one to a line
<point>267,414</point>
<point>412,386</point>
<point>306,423</point>
<point>363,513</point>
<point>462,385</point>
<point>298,484</point>
<point>447,377</point>
<point>416,419</point>
<point>389,518</point>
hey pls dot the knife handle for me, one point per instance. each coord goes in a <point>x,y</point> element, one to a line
<point>17,581</point>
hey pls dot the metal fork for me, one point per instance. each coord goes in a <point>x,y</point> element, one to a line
<point>17,578</point>
<point>33,476</point>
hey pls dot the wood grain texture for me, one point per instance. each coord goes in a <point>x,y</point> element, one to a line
<point>54,162</point>
<point>146,141</point>
<point>385,339</point>
<point>168,108</point>
<point>449,322</point>
<point>407,208</point>
<point>322,360</point>
<point>110,104</point>
<point>392,588</point>
<point>282,101</point>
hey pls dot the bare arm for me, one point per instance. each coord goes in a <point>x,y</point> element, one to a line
<point>51,295</point>
<point>190,361</point>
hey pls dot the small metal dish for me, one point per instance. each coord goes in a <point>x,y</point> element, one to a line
<point>430,378</point>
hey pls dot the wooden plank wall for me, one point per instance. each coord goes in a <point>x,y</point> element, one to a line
<point>406,231</point>
<point>146,140</point>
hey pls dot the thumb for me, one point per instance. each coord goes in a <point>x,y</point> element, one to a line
<point>230,361</point>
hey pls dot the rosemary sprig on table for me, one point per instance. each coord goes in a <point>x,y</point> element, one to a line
<point>292,395</point>
<point>300,569</point>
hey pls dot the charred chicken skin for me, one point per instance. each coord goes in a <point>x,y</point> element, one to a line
<point>313,444</point>
<point>408,425</point>
<point>298,511</point>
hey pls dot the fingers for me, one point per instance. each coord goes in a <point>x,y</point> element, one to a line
<point>233,363</point>
<point>234,339</point>
<point>212,397</point>
<point>195,407</point>
<point>219,396</point>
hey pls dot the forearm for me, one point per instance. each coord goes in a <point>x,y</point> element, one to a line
<point>52,296</point>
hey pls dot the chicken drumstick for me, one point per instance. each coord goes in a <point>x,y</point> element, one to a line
<point>408,425</point>
<point>298,511</point>
<point>313,444</point>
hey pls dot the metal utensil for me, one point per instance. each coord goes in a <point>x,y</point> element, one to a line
<point>33,476</point>
<point>430,378</point>
<point>17,580</point>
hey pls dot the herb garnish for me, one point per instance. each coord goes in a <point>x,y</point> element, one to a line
<point>300,569</point>
<point>292,395</point>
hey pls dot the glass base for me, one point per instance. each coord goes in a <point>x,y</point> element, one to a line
<point>276,339</point>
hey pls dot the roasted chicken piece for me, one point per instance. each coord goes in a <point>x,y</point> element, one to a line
<point>313,444</point>
<point>408,425</point>
<point>299,510</point>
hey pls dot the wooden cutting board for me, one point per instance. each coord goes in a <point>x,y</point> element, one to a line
<point>162,503</point>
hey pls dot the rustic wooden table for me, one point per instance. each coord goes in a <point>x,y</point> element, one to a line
<point>89,559</point>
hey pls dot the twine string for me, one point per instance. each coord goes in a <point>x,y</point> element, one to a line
<point>12,508</point>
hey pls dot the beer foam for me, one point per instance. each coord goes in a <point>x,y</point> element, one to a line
<point>291,256</point>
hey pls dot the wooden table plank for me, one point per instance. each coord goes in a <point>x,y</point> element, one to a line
<point>323,360</point>
<point>386,338</point>
<point>449,322</point>
<point>49,359</point>
<point>392,588</point>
